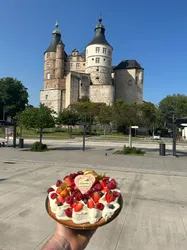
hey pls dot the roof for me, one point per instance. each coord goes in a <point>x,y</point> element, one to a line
<point>99,37</point>
<point>83,54</point>
<point>128,64</point>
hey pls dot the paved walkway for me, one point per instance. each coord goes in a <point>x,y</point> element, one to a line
<point>154,190</point>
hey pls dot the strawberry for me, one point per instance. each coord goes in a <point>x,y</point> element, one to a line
<point>96,197</point>
<point>74,204</point>
<point>58,183</point>
<point>104,190</point>
<point>102,183</point>
<point>73,175</point>
<point>78,207</point>
<point>50,190</point>
<point>111,185</point>
<point>60,199</point>
<point>90,203</point>
<point>58,190</point>
<point>100,206</point>
<point>69,181</point>
<point>69,200</point>
<point>109,196</point>
<point>68,212</point>
<point>53,196</point>
<point>105,178</point>
<point>98,187</point>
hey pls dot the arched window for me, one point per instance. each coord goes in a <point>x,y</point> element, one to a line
<point>46,97</point>
<point>48,76</point>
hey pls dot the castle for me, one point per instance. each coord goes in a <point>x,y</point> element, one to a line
<point>67,78</point>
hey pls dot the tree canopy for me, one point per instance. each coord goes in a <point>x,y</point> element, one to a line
<point>37,118</point>
<point>13,97</point>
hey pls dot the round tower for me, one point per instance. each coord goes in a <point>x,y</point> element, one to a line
<point>99,66</point>
<point>51,64</point>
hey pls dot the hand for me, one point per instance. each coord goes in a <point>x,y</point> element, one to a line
<point>78,239</point>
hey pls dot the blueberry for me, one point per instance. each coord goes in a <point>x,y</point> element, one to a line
<point>59,204</point>
<point>111,206</point>
<point>85,201</point>
<point>107,181</point>
<point>100,193</point>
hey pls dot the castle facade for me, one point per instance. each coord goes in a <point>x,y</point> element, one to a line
<point>67,78</point>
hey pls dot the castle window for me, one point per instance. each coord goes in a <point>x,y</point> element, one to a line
<point>97,69</point>
<point>71,65</point>
<point>47,85</point>
<point>104,50</point>
<point>97,78</point>
<point>97,60</point>
<point>92,59</point>
<point>46,97</point>
<point>77,65</point>
<point>48,76</point>
<point>48,64</point>
<point>83,64</point>
<point>97,49</point>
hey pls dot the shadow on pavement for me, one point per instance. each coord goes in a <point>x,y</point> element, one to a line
<point>169,152</point>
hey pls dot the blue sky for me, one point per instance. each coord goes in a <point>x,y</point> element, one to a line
<point>152,32</point>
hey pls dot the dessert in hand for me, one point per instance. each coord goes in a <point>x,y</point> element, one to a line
<point>84,197</point>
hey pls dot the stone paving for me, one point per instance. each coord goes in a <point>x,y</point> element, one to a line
<point>154,189</point>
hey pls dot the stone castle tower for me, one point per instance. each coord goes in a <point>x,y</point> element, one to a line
<point>99,66</point>
<point>67,78</point>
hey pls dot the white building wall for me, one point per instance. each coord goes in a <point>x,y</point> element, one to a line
<point>52,98</point>
<point>102,93</point>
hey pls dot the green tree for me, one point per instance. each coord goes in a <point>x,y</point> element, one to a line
<point>37,118</point>
<point>13,97</point>
<point>173,106</point>
<point>68,118</point>
<point>105,116</point>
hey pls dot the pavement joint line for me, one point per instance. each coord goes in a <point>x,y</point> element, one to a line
<point>43,239</point>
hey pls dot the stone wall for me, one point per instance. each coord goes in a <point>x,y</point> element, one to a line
<point>129,85</point>
<point>102,93</point>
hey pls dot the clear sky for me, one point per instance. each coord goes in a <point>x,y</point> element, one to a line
<point>152,32</point>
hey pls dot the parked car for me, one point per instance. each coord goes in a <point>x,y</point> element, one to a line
<point>156,137</point>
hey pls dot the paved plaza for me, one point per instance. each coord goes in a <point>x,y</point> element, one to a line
<point>154,189</point>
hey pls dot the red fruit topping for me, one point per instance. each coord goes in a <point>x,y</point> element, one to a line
<point>78,196</point>
<point>74,204</point>
<point>111,185</point>
<point>90,203</point>
<point>58,191</point>
<point>69,181</point>
<point>50,190</point>
<point>86,195</point>
<point>68,212</point>
<point>104,190</point>
<point>53,196</point>
<point>80,173</point>
<point>96,197</point>
<point>100,206</point>
<point>73,175</point>
<point>109,196</point>
<point>69,200</point>
<point>105,178</point>
<point>116,194</point>
<point>98,187</point>
<point>114,182</point>
<point>60,199</point>
<point>78,207</point>
<point>102,183</point>
<point>58,183</point>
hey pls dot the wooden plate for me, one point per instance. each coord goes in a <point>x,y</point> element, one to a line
<point>86,226</point>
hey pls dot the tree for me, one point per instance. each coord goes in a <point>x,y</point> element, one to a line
<point>13,97</point>
<point>104,116</point>
<point>68,118</point>
<point>173,106</point>
<point>37,118</point>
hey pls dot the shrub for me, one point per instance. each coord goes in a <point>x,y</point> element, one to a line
<point>133,150</point>
<point>38,147</point>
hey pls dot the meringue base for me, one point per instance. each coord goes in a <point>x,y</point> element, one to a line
<point>85,226</point>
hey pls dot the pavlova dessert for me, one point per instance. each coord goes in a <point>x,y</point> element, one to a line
<point>84,197</point>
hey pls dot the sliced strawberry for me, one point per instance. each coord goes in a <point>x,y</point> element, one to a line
<point>60,199</point>
<point>58,190</point>
<point>69,181</point>
<point>114,182</point>
<point>50,190</point>
<point>111,185</point>
<point>96,197</point>
<point>78,207</point>
<point>68,212</point>
<point>90,203</point>
<point>102,183</point>
<point>53,196</point>
<point>104,190</point>
<point>109,196</point>
<point>100,206</point>
<point>74,204</point>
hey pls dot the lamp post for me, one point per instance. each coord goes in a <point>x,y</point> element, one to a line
<point>174,136</point>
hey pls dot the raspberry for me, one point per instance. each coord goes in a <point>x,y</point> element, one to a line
<point>98,187</point>
<point>111,185</point>
<point>50,190</point>
<point>100,206</point>
<point>78,196</point>
<point>80,173</point>
<point>68,212</point>
<point>58,183</point>
<point>69,200</point>
<point>53,196</point>
<point>86,195</point>
<point>116,194</point>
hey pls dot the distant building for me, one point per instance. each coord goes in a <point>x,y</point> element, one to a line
<point>67,78</point>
